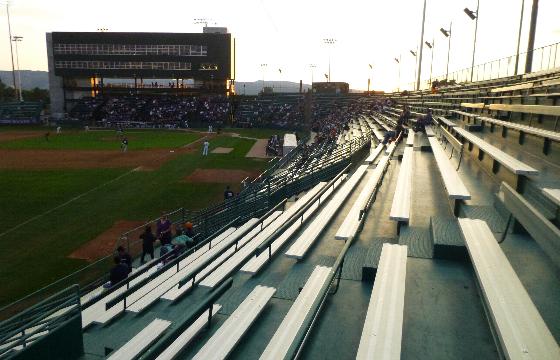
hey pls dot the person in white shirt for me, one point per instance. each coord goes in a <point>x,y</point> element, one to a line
<point>205,148</point>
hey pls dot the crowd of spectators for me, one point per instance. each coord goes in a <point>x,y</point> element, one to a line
<point>277,113</point>
<point>153,111</point>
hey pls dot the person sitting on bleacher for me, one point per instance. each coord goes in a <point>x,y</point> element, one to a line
<point>422,122</point>
<point>228,194</point>
<point>125,257</point>
<point>189,229</point>
<point>405,115</point>
<point>118,273</point>
<point>393,135</point>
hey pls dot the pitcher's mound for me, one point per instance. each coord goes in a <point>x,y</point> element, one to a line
<point>221,150</point>
<point>220,176</point>
<point>106,242</point>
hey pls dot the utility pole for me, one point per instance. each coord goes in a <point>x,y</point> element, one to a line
<point>532,29</point>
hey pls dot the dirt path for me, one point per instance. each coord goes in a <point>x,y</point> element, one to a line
<point>15,135</point>
<point>259,150</point>
<point>106,242</point>
<point>90,159</point>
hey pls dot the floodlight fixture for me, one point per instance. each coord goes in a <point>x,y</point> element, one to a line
<point>472,14</point>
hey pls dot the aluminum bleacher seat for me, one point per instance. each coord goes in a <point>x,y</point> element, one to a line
<point>311,233</point>
<point>382,331</point>
<point>521,331</point>
<point>286,332</point>
<point>224,340</point>
<point>241,256</point>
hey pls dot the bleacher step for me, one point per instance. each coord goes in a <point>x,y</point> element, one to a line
<point>446,235</point>
<point>372,256</point>
<point>418,240</point>
<point>472,127</point>
<point>487,213</point>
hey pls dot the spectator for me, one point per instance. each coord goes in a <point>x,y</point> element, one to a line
<point>118,273</point>
<point>125,257</point>
<point>163,231</point>
<point>181,242</point>
<point>189,230</point>
<point>228,194</point>
<point>422,122</point>
<point>148,240</point>
<point>393,135</point>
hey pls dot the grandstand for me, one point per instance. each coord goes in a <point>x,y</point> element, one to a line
<point>443,244</point>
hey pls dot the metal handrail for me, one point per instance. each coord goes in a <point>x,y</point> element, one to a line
<point>37,316</point>
<point>267,243</point>
<point>205,305</point>
<point>194,272</point>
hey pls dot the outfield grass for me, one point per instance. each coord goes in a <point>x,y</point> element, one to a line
<point>36,254</point>
<point>105,140</point>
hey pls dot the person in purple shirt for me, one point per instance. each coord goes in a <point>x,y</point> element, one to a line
<point>163,232</point>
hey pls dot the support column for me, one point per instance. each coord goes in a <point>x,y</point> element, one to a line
<point>532,30</point>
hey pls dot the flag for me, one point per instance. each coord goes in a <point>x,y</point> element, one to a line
<point>280,71</point>
<point>326,76</point>
<point>371,67</point>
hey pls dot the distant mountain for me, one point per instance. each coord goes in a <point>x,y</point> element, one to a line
<point>29,79</point>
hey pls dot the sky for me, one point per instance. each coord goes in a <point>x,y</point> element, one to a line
<point>289,34</point>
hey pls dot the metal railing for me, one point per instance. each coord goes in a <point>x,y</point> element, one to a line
<point>19,331</point>
<point>544,58</point>
<point>199,309</point>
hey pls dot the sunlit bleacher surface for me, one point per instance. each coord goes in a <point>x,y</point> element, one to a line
<point>442,245</point>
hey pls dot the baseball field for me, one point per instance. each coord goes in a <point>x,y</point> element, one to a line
<point>66,200</point>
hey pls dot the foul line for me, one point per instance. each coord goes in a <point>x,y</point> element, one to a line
<point>64,204</point>
<point>80,196</point>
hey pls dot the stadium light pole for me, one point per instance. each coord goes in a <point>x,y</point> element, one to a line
<point>399,79</point>
<point>17,39</point>
<point>421,48</point>
<point>329,42</point>
<point>11,48</point>
<point>447,34</point>
<point>519,37</point>
<point>474,16</point>
<point>414,53</point>
<point>431,46</point>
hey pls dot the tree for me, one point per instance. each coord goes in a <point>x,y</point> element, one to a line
<point>36,94</point>
<point>6,93</point>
